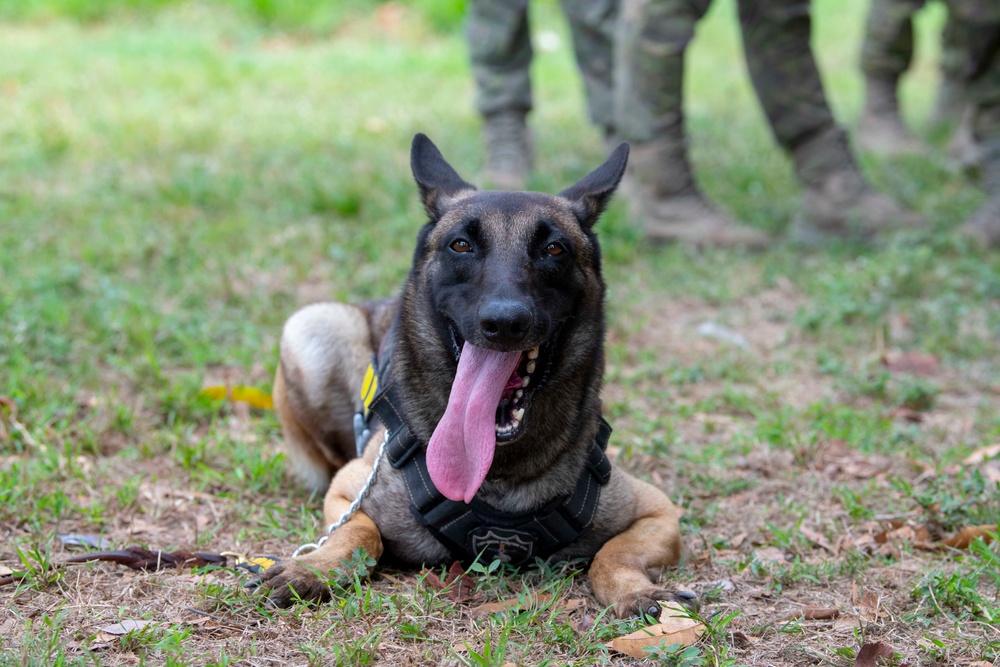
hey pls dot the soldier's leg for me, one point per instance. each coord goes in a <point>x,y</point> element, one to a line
<point>980,32</point>
<point>837,201</point>
<point>950,102</point>
<point>885,57</point>
<point>653,36</point>
<point>592,25</point>
<point>500,51</point>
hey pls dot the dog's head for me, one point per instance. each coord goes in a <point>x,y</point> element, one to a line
<point>504,280</point>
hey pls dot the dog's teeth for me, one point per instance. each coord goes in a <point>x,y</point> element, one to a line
<point>518,394</point>
<point>533,353</point>
<point>516,424</point>
<point>525,380</point>
<point>531,366</point>
<point>518,414</point>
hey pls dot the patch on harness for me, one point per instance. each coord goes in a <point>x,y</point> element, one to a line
<point>502,544</point>
<point>368,388</point>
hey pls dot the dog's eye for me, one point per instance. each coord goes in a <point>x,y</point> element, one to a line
<point>461,245</point>
<point>554,249</point>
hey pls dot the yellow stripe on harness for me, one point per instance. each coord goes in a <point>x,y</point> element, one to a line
<point>368,388</point>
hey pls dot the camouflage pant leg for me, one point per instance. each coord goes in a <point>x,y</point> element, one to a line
<point>652,37</point>
<point>500,50</point>
<point>888,46</point>
<point>776,42</point>
<point>952,50</point>
<point>979,30</point>
<point>592,24</point>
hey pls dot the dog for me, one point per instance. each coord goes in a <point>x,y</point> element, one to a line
<point>481,414</point>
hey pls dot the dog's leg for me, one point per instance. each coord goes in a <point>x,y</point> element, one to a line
<point>297,579</point>
<point>620,574</point>
<point>325,349</point>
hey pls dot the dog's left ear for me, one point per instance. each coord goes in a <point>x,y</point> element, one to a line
<point>435,178</point>
<point>590,196</point>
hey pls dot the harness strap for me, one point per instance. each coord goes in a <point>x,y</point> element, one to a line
<point>468,530</point>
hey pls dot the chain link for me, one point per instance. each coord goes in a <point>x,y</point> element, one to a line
<point>345,517</point>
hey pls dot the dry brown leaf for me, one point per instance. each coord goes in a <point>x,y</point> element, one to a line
<point>982,454</point>
<point>674,628</point>
<point>870,654</point>
<point>963,538</point>
<point>845,622</point>
<point>523,601</point>
<point>835,459</point>
<point>813,614</point>
<point>773,554</point>
<point>907,415</point>
<point>916,363</point>
<point>5,571</point>
<point>459,587</point>
<point>125,627</point>
<point>870,606</point>
<point>817,538</point>
<point>584,623</point>
<point>981,663</point>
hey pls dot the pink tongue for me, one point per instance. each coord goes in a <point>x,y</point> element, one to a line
<point>461,449</point>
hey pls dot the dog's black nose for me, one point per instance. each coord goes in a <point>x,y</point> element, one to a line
<point>505,322</point>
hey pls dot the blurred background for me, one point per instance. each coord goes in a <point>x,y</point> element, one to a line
<point>176,178</point>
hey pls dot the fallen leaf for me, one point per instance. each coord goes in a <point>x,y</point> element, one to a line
<point>523,601</point>
<point>125,627</point>
<point>845,622</point>
<point>584,623</point>
<point>915,363</point>
<point>907,415</point>
<point>674,628</point>
<point>744,641</point>
<point>870,654</point>
<point>254,397</point>
<point>459,587</point>
<point>870,606</point>
<point>982,454</point>
<point>813,614</point>
<point>835,459</point>
<point>963,538</point>
<point>5,571</point>
<point>817,538</point>
<point>773,554</point>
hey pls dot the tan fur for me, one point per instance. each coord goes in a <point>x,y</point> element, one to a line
<point>622,570</point>
<point>325,349</point>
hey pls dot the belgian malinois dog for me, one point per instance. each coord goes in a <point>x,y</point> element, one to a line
<point>481,412</point>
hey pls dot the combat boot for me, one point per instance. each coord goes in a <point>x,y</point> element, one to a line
<point>983,226</point>
<point>950,103</point>
<point>508,150</point>
<point>881,129</point>
<point>664,196</point>
<point>962,147</point>
<point>837,202</point>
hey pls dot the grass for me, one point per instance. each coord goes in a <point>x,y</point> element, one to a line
<point>176,178</point>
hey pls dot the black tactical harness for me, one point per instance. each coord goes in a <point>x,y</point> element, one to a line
<point>474,529</point>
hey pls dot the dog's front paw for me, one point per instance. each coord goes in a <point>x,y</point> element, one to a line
<point>649,602</point>
<point>291,582</point>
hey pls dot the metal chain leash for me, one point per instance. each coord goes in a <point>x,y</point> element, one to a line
<point>345,517</point>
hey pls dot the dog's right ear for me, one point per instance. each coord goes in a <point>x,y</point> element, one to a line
<point>437,181</point>
<point>590,196</point>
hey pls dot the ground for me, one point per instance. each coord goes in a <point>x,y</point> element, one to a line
<point>177,178</point>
